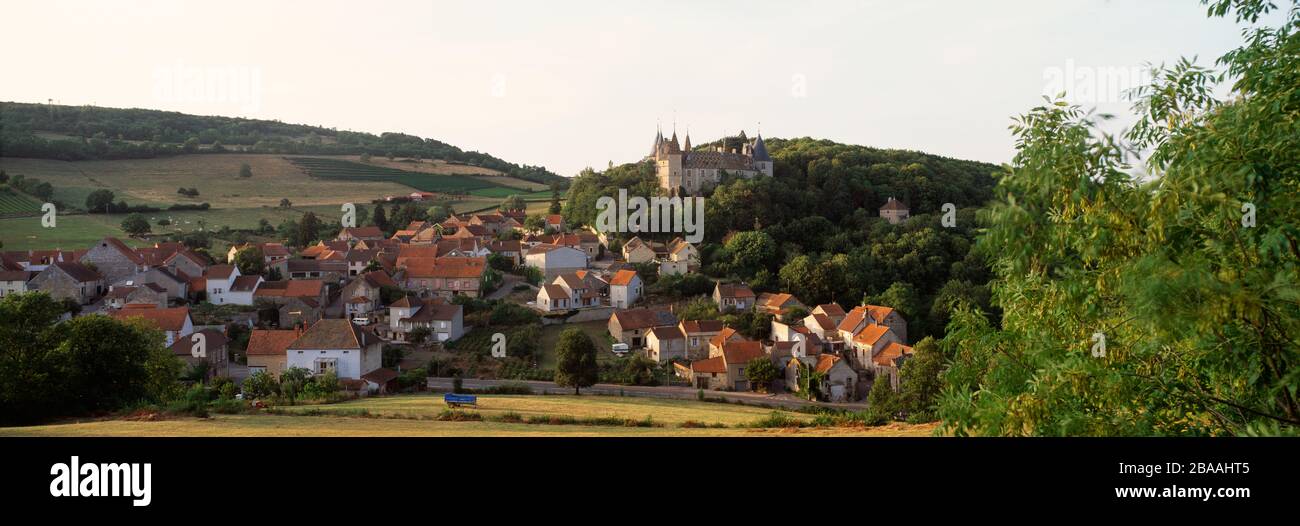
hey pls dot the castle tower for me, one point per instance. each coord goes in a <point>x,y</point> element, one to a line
<point>762,160</point>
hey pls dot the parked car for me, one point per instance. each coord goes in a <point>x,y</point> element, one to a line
<point>621,349</point>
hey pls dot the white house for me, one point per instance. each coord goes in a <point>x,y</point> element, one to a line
<point>226,286</point>
<point>554,260</point>
<point>445,321</point>
<point>624,289</point>
<point>553,298</point>
<point>336,345</point>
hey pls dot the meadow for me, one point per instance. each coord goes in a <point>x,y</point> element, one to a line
<point>414,415</point>
<point>236,202</point>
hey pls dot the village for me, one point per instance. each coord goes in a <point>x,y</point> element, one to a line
<point>335,306</point>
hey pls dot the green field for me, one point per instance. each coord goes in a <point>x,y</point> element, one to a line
<point>236,202</point>
<point>14,204</point>
<point>407,416</point>
<point>330,168</point>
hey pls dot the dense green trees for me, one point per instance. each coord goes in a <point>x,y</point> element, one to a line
<point>136,224</point>
<point>89,363</point>
<point>1155,305</point>
<point>250,261</point>
<point>113,133</point>
<point>814,228</point>
<point>575,360</point>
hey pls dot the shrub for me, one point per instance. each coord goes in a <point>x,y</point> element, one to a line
<point>457,415</point>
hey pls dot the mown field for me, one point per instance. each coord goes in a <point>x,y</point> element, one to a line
<point>335,169</point>
<point>236,202</point>
<point>411,415</point>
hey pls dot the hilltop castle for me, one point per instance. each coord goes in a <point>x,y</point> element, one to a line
<point>683,171</point>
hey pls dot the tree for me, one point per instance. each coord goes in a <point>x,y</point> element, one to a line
<point>419,335</point>
<point>555,198</point>
<point>250,261</point>
<point>380,218</point>
<point>882,401</point>
<point>438,213</point>
<point>259,385</point>
<point>514,202</point>
<point>365,157</point>
<point>534,223</point>
<point>136,224</point>
<point>576,360</point>
<point>1136,306</point>
<point>919,380</point>
<point>760,372</point>
<point>99,200</point>
<point>308,230</point>
<point>245,170</point>
<point>751,251</point>
<point>285,203</point>
<point>191,145</point>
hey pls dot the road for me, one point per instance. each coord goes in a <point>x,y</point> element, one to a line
<point>508,282</point>
<point>681,393</point>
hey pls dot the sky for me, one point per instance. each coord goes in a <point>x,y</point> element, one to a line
<point>572,84</point>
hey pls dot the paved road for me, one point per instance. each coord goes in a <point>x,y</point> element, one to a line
<point>682,393</point>
<point>508,282</point>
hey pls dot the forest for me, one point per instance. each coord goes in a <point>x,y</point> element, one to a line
<point>814,228</point>
<point>114,133</point>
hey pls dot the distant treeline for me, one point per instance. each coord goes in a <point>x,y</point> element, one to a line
<point>114,133</point>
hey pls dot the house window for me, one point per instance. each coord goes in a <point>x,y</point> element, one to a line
<point>325,365</point>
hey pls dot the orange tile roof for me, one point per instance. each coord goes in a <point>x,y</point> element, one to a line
<point>890,354</point>
<point>870,334</point>
<point>172,319</point>
<point>738,352</point>
<point>623,278</point>
<point>264,342</point>
<point>853,319</point>
<point>711,365</point>
<point>722,336</point>
<point>879,313</point>
<point>310,288</point>
<point>445,267</point>
<point>698,326</point>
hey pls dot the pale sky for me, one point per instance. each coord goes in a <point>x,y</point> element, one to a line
<point>569,84</point>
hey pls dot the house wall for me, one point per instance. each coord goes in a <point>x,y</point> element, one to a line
<point>110,262</point>
<point>349,363</point>
<point>274,364</point>
<point>625,296</point>
<point>59,286</point>
<point>12,287</point>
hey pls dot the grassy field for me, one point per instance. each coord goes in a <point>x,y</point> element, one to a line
<point>402,414</point>
<point>155,181</point>
<point>598,331</point>
<point>16,204</point>
<point>236,202</point>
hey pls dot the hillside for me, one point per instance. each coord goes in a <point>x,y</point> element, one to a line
<point>74,133</point>
<point>814,228</point>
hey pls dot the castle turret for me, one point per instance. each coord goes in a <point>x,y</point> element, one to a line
<point>762,160</point>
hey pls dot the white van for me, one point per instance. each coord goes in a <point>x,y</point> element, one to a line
<point>362,320</point>
<point>620,349</point>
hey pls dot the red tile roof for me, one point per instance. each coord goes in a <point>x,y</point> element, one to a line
<point>699,326</point>
<point>870,334</point>
<point>271,342</point>
<point>623,278</point>
<point>444,267</point>
<point>711,365</point>
<point>890,354</point>
<point>172,319</point>
<point>300,288</point>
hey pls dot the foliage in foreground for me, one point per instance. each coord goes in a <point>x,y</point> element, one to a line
<point>1198,307</point>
